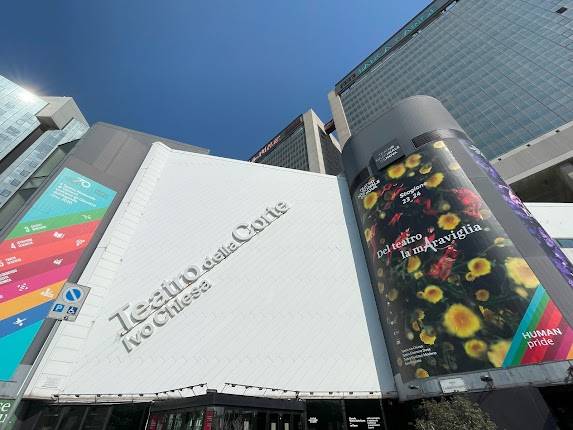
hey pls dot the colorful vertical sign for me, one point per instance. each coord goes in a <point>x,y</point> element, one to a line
<point>38,256</point>
<point>455,294</point>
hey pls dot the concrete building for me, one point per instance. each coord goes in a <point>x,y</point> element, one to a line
<point>304,145</point>
<point>35,134</point>
<point>275,308</point>
<point>501,67</point>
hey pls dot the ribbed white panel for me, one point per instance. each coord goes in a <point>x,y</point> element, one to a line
<point>291,309</point>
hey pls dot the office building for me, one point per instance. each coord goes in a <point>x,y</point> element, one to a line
<point>35,134</point>
<point>503,70</point>
<point>303,145</point>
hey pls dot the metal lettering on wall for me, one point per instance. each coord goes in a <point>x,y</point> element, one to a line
<point>139,321</point>
<point>417,22</point>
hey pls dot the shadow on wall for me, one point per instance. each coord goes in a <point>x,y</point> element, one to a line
<point>379,349</point>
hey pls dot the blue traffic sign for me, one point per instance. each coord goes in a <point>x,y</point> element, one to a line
<point>73,294</point>
<point>72,310</point>
<point>58,308</point>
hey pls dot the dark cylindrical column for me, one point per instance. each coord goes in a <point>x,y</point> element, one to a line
<point>466,281</point>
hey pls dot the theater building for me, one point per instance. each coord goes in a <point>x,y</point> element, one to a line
<point>192,291</point>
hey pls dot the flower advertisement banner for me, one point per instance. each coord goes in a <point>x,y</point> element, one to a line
<point>454,293</point>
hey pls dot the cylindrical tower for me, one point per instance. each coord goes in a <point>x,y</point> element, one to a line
<point>468,285</point>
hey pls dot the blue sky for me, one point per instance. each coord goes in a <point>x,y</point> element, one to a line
<point>227,75</point>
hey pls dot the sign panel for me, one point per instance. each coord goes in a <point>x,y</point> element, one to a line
<point>387,155</point>
<point>39,254</point>
<point>453,385</point>
<point>363,414</point>
<point>69,302</point>
<point>455,295</point>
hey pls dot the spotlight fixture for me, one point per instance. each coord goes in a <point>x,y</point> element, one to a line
<point>413,387</point>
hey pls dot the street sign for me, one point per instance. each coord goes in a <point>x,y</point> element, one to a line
<point>69,302</point>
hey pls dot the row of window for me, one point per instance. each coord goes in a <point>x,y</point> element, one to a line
<point>501,67</point>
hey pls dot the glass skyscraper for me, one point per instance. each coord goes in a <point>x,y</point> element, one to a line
<point>303,145</point>
<point>31,130</point>
<point>503,68</point>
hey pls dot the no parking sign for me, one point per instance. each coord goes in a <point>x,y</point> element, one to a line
<point>69,302</point>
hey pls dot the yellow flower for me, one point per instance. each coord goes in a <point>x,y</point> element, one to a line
<point>479,266</point>
<point>392,294</point>
<point>380,287</point>
<point>448,221</point>
<point>454,166</point>
<point>445,206</point>
<point>368,234</point>
<point>482,295</point>
<point>499,241</point>
<point>520,272</point>
<point>415,326</point>
<point>475,348</point>
<point>382,215</point>
<point>521,292</point>
<point>427,338</point>
<point>461,321</point>
<point>439,144</point>
<point>434,180</point>
<point>420,314</point>
<point>413,264</point>
<point>380,272</point>
<point>425,169</point>
<point>470,277</point>
<point>370,200</point>
<point>431,293</point>
<point>421,373</point>
<point>498,351</point>
<point>413,161</point>
<point>418,275</point>
<point>396,170</point>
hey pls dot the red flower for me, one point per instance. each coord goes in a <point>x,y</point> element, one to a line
<point>442,269</point>
<point>428,208</point>
<point>470,200</point>
<point>395,218</point>
<point>396,192</point>
<point>400,238</point>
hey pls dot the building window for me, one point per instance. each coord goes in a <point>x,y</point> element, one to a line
<point>565,243</point>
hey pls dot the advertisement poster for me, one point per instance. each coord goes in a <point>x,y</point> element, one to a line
<point>39,254</point>
<point>455,295</point>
